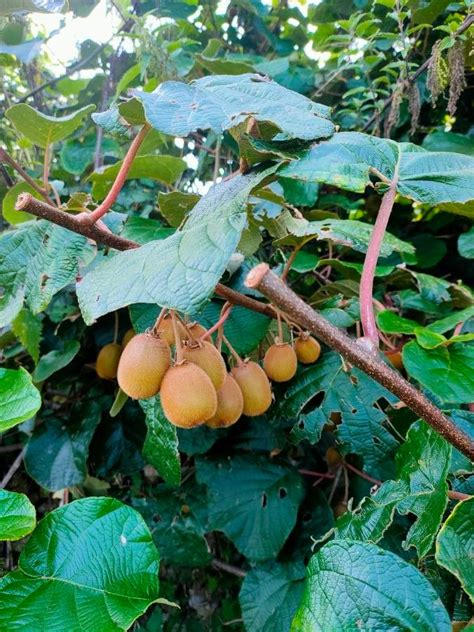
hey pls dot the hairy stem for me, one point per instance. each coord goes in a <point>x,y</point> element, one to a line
<point>112,195</point>
<point>262,279</point>
<point>224,316</point>
<point>367,315</point>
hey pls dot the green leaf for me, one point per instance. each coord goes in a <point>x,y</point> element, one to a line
<point>34,6</point>
<point>8,203</point>
<point>27,328</point>
<point>361,430</point>
<point>346,232</point>
<point>56,360</point>
<point>392,323</point>
<point>253,501</point>
<point>270,596</point>
<point>423,462</point>
<point>174,206</point>
<point>164,169</point>
<point>223,102</point>
<point>358,586</point>
<point>177,527</point>
<point>36,261</point>
<point>429,339</point>
<point>455,545</point>
<point>161,443</point>
<point>17,515</point>
<point>19,398</point>
<point>445,371</point>
<point>346,159</point>
<point>143,230</point>
<point>94,555</point>
<point>76,156</point>
<point>449,322</point>
<point>449,141</point>
<point>466,244</point>
<point>57,452</point>
<point>178,272</point>
<point>43,130</point>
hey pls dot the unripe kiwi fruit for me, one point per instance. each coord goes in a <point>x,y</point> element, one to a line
<point>128,335</point>
<point>187,395</point>
<point>307,349</point>
<point>142,366</point>
<point>255,387</point>
<point>280,362</point>
<point>230,404</point>
<point>108,360</point>
<point>208,358</point>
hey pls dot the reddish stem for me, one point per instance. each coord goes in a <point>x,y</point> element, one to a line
<point>362,474</point>
<point>317,474</point>
<point>367,315</point>
<point>224,316</point>
<point>101,210</point>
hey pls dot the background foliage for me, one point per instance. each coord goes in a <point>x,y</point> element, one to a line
<point>274,520</point>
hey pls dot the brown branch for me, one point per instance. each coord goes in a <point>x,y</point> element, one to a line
<point>262,279</point>
<point>228,568</point>
<point>26,202</point>
<point>5,157</point>
<point>13,468</point>
<point>469,21</point>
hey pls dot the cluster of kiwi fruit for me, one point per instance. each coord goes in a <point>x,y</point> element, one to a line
<point>195,386</point>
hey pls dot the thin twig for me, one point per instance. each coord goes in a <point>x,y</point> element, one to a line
<point>228,568</point>
<point>4,157</point>
<point>262,279</point>
<point>13,468</point>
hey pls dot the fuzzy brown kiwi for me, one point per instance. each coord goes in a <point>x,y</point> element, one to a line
<point>143,365</point>
<point>280,362</point>
<point>196,330</point>
<point>206,356</point>
<point>187,395</point>
<point>108,360</point>
<point>166,332</point>
<point>128,335</point>
<point>230,404</point>
<point>255,387</point>
<point>307,349</point>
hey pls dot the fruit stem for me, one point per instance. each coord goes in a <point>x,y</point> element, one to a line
<point>159,320</point>
<point>367,315</point>
<point>280,328</point>
<point>91,218</point>
<point>225,313</point>
<point>289,262</point>
<point>177,337</point>
<point>233,352</point>
<point>192,339</point>
<point>116,327</point>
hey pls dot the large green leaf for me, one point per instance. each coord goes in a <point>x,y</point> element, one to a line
<point>354,395</point>
<point>178,272</point>
<point>455,545</point>
<point>177,527</point>
<point>445,371</point>
<point>19,398</point>
<point>358,586</point>
<point>43,130</point>
<point>161,443</point>
<point>56,360</point>
<point>346,159</point>
<point>76,156</point>
<point>253,501</point>
<point>421,489</point>
<point>17,515</point>
<point>225,101</point>
<point>27,328</point>
<point>57,452</point>
<point>90,565</point>
<point>270,596</point>
<point>165,169</point>
<point>36,261</point>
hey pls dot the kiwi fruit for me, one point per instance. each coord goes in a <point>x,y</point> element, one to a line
<point>108,360</point>
<point>230,404</point>
<point>208,358</point>
<point>196,330</point>
<point>142,366</point>
<point>307,349</point>
<point>188,396</point>
<point>128,335</point>
<point>280,362</point>
<point>255,387</point>
<point>395,359</point>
